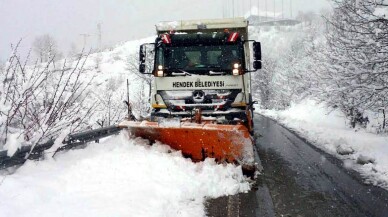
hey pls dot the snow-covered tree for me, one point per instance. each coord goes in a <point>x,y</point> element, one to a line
<point>45,48</point>
<point>111,108</point>
<point>353,67</point>
<point>287,63</point>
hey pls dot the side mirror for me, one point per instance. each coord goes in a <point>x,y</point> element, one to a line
<point>257,65</point>
<point>142,68</point>
<point>142,54</point>
<point>257,51</point>
<point>146,57</point>
<point>142,59</point>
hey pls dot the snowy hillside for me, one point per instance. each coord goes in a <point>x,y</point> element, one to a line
<point>286,63</point>
<point>110,69</point>
<point>79,92</point>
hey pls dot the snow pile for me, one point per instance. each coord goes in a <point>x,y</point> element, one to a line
<point>14,142</point>
<point>381,12</point>
<point>118,177</point>
<point>327,129</point>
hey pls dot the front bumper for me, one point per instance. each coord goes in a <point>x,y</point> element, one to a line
<point>229,115</point>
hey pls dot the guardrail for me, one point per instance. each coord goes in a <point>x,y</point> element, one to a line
<point>71,141</point>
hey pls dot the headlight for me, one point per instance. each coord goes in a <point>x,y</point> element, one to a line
<point>160,72</point>
<point>236,70</point>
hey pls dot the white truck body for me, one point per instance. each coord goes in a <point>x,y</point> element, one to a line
<point>205,82</point>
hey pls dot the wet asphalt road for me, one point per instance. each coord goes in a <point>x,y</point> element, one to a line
<point>300,180</point>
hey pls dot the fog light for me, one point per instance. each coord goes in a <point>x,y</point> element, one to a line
<point>236,72</point>
<point>160,73</point>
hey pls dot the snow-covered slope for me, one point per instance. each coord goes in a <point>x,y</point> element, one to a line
<point>118,177</point>
<point>110,69</point>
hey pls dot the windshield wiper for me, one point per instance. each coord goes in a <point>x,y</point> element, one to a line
<point>182,73</point>
<point>214,70</point>
<point>216,73</point>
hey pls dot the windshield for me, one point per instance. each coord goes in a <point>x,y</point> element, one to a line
<point>199,59</point>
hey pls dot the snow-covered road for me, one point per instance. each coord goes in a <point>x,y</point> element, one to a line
<point>360,149</point>
<point>117,177</point>
<point>304,181</point>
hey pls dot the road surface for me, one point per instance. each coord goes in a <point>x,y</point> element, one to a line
<point>300,180</point>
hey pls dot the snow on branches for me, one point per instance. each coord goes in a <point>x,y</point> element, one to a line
<point>354,63</point>
<point>37,102</point>
<point>341,59</point>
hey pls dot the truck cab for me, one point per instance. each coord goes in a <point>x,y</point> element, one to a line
<point>202,65</point>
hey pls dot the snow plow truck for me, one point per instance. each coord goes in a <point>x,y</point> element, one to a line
<point>201,94</point>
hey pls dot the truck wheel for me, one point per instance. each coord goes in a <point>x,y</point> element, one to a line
<point>250,122</point>
<point>252,132</point>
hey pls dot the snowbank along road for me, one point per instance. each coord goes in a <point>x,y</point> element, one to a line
<point>300,180</point>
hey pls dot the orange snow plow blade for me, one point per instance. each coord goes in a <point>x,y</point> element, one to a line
<point>225,143</point>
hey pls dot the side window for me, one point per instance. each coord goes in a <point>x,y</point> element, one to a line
<point>160,56</point>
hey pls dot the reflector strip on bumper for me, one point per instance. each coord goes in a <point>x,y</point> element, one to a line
<point>159,106</point>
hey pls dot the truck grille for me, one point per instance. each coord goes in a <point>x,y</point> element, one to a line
<point>220,100</point>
